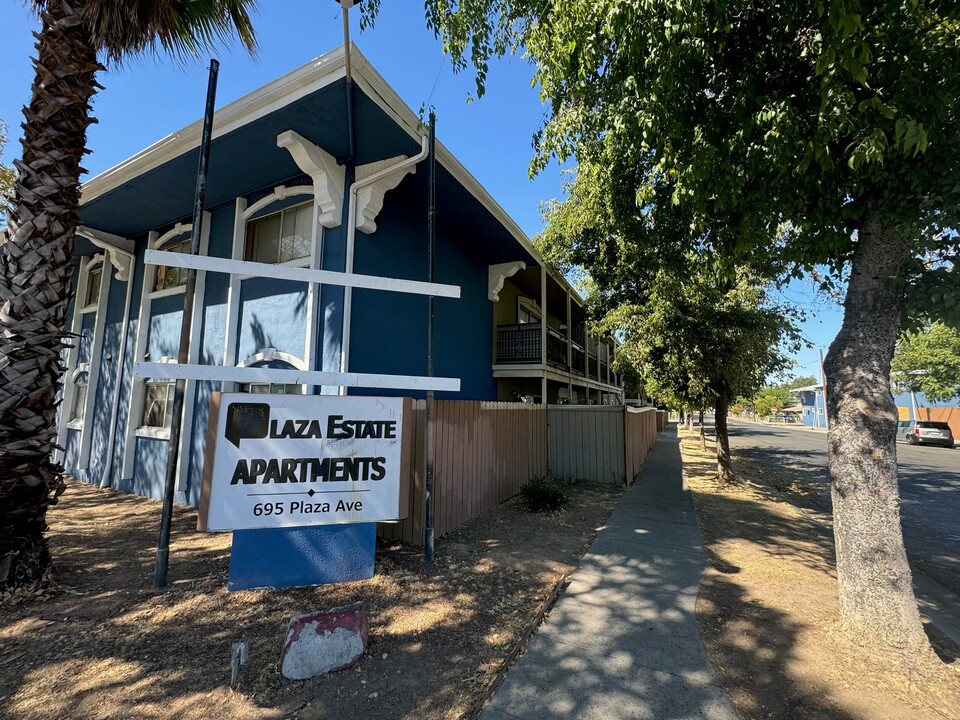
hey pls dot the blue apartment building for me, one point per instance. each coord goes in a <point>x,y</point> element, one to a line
<point>278,193</point>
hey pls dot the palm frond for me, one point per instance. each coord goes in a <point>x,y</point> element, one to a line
<point>182,28</point>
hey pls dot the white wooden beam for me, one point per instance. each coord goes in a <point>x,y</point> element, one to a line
<point>370,196</point>
<point>321,166</point>
<point>120,249</point>
<point>301,274</point>
<point>497,274</point>
<point>218,373</point>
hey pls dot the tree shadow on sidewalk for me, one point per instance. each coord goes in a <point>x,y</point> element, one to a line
<point>768,612</point>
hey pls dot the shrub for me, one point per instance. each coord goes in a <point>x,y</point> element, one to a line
<point>540,494</point>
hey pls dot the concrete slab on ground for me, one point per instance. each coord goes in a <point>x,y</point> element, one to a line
<point>622,641</point>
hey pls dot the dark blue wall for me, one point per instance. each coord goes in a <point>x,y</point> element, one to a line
<point>388,330</point>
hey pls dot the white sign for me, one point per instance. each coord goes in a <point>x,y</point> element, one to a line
<point>288,460</point>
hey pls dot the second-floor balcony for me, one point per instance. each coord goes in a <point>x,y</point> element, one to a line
<point>522,344</point>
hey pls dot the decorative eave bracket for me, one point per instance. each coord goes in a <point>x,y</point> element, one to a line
<point>327,176</point>
<point>370,197</point>
<point>119,250</point>
<point>498,274</point>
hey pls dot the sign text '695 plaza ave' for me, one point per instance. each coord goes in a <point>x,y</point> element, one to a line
<point>288,460</point>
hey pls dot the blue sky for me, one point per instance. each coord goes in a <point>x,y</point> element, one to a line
<point>152,97</point>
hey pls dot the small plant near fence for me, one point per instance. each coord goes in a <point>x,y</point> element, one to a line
<point>541,494</point>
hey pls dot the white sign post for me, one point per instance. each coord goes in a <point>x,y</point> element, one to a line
<point>293,460</point>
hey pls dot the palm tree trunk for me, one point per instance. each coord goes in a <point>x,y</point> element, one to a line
<point>875,583</point>
<point>35,270</point>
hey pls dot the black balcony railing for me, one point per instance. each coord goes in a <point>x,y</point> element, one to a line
<point>578,360</point>
<point>522,344</point>
<point>556,348</point>
<point>518,343</point>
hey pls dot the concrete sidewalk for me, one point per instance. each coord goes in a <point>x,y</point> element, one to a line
<point>622,641</point>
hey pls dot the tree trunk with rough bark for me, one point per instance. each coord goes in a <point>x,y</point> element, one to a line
<point>875,582</point>
<point>703,436</point>
<point>35,271</point>
<point>724,464</point>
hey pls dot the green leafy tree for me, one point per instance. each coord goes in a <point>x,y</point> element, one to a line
<point>703,340</point>
<point>696,324</point>
<point>803,381</point>
<point>769,398</point>
<point>839,120</point>
<point>36,258</point>
<point>928,361</point>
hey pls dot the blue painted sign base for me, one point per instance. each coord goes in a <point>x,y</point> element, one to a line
<point>291,557</point>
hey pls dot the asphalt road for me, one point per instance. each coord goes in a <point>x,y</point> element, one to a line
<point>929,492</point>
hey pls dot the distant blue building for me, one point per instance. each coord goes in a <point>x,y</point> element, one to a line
<point>278,193</point>
<point>812,406</point>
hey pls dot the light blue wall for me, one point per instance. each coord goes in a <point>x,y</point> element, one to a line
<point>814,412</point>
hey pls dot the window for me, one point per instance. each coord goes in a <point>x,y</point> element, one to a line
<point>527,311</point>
<point>158,404</point>
<point>93,286</point>
<point>933,424</point>
<point>282,237</point>
<point>272,388</point>
<point>171,277</point>
<point>79,405</point>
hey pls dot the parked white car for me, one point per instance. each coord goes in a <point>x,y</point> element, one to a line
<point>925,432</point>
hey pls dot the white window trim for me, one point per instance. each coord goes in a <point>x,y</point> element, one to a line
<point>273,355</point>
<point>137,390</point>
<point>77,423</point>
<point>153,431</point>
<point>243,214</point>
<point>93,367</point>
<point>166,292</point>
<point>530,305</point>
<point>254,217</point>
<point>176,234</point>
<point>93,307</point>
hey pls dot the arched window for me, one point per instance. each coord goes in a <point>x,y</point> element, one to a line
<point>281,237</point>
<point>78,404</point>
<point>91,296</point>
<point>172,278</point>
<point>272,358</point>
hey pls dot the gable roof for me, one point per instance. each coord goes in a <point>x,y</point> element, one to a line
<point>156,186</point>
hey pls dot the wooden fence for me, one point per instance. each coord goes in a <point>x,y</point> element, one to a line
<point>484,452</point>
<point>641,426</point>
<point>600,444</point>
<point>587,443</point>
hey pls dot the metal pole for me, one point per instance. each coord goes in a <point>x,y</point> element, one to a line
<point>163,546</point>
<point>431,233</point>
<point>348,76</point>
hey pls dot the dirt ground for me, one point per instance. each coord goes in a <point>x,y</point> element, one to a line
<point>768,610</point>
<point>104,644</point>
